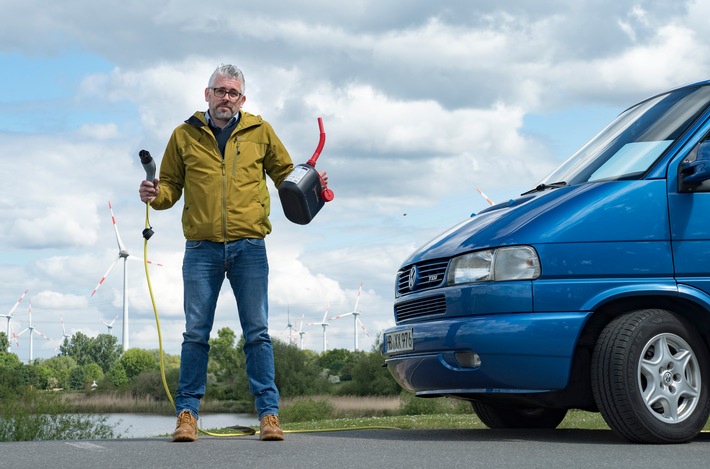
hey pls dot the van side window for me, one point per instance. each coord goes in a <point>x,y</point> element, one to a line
<point>692,156</point>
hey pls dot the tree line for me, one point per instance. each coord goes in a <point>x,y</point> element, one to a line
<point>98,364</point>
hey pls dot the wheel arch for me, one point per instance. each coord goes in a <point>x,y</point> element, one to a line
<point>686,307</point>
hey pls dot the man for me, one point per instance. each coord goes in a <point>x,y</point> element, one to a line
<point>220,158</point>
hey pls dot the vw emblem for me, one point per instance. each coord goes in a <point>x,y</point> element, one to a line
<point>412,281</point>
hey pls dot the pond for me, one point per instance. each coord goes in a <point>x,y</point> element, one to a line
<point>149,425</point>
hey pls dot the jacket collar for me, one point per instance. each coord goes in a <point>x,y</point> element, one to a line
<point>199,119</point>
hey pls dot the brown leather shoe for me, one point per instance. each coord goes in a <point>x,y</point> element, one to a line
<point>186,427</point>
<point>270,428</point>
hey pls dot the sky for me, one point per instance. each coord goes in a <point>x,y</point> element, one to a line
<point>422,103</point>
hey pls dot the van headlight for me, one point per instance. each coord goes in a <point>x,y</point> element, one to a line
<point>495,265</point>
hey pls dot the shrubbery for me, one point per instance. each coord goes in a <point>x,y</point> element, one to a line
<point>29,416</point>
<point>307,409</point>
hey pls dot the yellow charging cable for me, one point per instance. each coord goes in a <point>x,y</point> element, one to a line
<point>243,431</point>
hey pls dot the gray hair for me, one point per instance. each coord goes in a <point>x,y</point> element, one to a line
<point>228,71</point>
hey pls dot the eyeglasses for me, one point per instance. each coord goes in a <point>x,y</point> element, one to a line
<point>220,92</point>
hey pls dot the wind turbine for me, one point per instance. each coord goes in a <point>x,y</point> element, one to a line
<point>9,318</point>
<point>325,324</point>
<point>300,333</point>
<point>289,326</point>
<point>32,330</point>
<point>64,335</point>
<point>109,324</point>
<point>355,313</point>
<point>125,255</point>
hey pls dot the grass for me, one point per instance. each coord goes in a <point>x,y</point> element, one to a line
<point>402,412</point>
<point>336,412</point>
<point>576,419</point>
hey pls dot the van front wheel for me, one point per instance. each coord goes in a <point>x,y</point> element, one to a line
<point>650,377</point>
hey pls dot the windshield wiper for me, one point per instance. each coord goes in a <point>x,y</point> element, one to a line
<point>542,187</point>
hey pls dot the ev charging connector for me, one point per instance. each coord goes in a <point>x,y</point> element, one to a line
<point>149,167</point>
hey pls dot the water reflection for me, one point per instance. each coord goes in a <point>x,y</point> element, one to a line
<point>148,425</point>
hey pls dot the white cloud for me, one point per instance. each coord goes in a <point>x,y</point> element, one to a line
<point>422,102</point>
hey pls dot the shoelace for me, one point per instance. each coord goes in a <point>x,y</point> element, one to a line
<point>271,420</point>
<point>185,417</point>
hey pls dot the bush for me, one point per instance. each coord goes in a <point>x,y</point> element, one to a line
<point>12,380</point>
<point>297,372</point>
<point>369,377</point>
<point>150,383</point>
<point>33,416</point>
<point>307,410</point>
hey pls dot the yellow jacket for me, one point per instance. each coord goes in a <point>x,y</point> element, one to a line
<point>225,199</point>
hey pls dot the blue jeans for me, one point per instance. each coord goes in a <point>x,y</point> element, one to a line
<point>204,268</point>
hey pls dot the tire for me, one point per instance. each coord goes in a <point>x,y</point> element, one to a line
<point>501,417</point>
<point>650,377</point>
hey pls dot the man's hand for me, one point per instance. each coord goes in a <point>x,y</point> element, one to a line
<point>148,190</point>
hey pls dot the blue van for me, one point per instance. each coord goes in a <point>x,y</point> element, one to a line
<point>590,291</point>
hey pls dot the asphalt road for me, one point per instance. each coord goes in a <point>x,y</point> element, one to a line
<point>386,449</point>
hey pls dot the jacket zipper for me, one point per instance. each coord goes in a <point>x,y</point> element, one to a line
<point>224,201</point>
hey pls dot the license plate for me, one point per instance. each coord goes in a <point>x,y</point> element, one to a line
<point>399,341</point>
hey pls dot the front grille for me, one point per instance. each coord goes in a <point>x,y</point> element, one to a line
<point>419,308</point>
<point>427,275</point>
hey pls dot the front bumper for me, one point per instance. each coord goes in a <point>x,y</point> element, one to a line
<point>519,353</point>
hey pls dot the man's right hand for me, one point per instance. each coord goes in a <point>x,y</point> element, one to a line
<point>148,190</point>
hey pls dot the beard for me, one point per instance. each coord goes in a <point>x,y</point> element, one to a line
<point>223,113</point>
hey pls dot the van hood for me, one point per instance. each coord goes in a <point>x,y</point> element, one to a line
<point>594,212</point>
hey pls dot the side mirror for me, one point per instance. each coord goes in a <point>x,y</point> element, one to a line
<point>695,172</point>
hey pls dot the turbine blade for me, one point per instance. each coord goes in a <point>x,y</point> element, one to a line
<point>121,247</point>
<point>106,275</point>
<point>357,301</point>
<point>362,326</point>
<point>342,315</point>
<point>136,258</point>
<point>485,196</point>
<point>16,304</point>
<point>14,336</point>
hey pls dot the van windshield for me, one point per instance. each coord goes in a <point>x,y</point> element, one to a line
<point>629,146</point>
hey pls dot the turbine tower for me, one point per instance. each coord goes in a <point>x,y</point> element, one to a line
<point>355,313</point>
<point>9,318</point>
<point>125,255</point>
<point>324,323</point>
<point>32,330</point>
<point>300,333</point>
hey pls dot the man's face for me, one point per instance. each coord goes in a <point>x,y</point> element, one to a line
<point>224,108</point>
